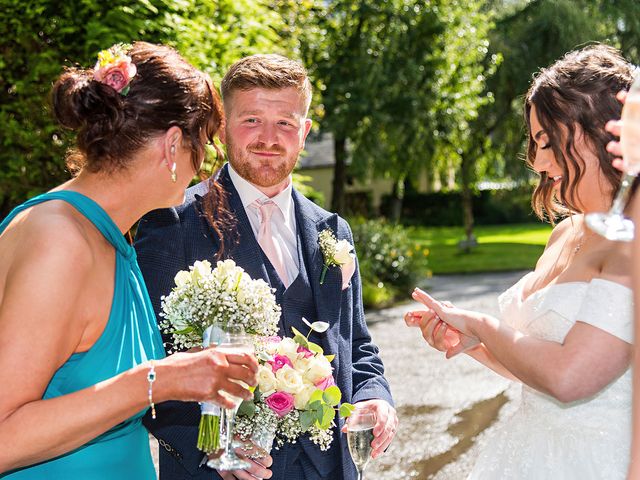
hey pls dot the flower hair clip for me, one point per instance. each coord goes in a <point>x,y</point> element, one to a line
<point>115,68</point>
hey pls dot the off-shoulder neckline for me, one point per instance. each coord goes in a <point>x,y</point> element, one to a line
<point>551,285</point>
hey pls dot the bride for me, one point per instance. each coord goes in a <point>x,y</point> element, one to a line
<point>566,328</point>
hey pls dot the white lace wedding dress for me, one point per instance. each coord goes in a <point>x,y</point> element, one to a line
<point>546,439</point>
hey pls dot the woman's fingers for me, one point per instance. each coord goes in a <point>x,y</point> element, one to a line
<point>417,318</point>
<point>247,360</point>
<point>427,300</point>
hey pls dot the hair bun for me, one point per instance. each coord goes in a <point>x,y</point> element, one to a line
<point>81,103</point>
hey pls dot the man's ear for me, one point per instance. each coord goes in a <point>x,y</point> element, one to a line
<point>307,129</point>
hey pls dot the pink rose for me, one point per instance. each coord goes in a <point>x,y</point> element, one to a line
<point>307,353</point>
<point>279,361</point>
<point>116,75</point>
<point>325,382</point>
<point>280,403</point>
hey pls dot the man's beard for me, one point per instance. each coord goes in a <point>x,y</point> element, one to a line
<point>279,168</point>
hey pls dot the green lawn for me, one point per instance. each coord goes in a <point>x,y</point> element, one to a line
<point>500,247</point>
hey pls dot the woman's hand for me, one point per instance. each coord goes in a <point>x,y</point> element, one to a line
<point>201,376</point>
<point>464,321</point>
<point>438,334</point>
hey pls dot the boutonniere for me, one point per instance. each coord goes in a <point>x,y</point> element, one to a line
<point>336,253</point>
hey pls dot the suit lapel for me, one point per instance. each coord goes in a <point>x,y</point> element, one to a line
<point>311,221</point>
<point>246,251</point>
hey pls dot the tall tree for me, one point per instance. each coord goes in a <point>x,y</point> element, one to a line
<point>38,37</point>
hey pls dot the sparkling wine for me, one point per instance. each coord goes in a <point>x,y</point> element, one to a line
<point>630,135</point>
<point>238,348</point>
<point>360,445</point>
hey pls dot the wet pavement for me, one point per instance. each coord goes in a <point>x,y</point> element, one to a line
<point>447,408</point>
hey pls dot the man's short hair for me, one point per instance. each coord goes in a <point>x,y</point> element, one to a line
<point>269,71</point>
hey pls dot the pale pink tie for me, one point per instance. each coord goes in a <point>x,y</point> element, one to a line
<point>270,246</point>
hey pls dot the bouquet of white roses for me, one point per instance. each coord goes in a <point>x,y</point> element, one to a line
<point>225,295</point>
<point>296,394</point>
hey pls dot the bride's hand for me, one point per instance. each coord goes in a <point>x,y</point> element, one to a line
<point>438,334</point>
<point>465,321</point>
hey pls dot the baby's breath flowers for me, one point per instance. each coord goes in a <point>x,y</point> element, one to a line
<point>225,295</point>
<point>222,296</point>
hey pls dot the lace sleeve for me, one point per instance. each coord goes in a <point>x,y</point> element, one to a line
<point>608,306</point>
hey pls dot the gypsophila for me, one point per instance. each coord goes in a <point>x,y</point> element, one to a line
<point>225,295</point>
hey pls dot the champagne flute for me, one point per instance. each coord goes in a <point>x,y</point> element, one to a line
<point>231,340</point>
<point>359,437</point>
<point>613,225</point>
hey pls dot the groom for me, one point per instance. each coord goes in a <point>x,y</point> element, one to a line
<point>274,237</point>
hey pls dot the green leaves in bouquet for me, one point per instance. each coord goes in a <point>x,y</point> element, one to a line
<point>302,340</point>
<point>299,338</point>
<point>248,407</point>
<point>331,396</point>
<point>321,409</point>
<point>346,409</point>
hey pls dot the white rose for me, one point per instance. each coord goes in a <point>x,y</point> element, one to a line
<point>301,364</point>
<point>266,380</point>
<point>182,278</point>
<point>343,255</point>
<point>288,348</point>
<point>302,397</point>
<point>288,380</point>
<point>319,368</point>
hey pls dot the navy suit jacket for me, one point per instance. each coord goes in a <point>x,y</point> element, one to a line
<point>170,240</point>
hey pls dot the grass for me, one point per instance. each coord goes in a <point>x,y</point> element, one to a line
<point>500,247</point>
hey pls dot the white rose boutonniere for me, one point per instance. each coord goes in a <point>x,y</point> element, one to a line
<point>336,253</point>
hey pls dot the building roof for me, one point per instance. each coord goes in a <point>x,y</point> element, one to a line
<point>318,152</point>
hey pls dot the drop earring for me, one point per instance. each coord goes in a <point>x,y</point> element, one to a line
<point>174,176</point>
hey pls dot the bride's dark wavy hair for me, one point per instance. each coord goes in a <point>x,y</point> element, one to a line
<point>576,92</point>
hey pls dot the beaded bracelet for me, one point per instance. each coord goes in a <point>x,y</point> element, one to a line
<point>151,377</point>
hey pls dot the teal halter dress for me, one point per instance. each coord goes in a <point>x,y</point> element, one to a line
<point>130,337</point>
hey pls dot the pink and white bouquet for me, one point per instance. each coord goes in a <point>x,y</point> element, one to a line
<point>296,394</point>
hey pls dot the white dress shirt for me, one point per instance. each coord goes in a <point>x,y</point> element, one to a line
<point>283,220</point>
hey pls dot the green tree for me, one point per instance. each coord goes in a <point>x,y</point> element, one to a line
<point>39,37</point>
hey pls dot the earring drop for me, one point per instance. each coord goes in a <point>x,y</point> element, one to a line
<point>174,176</point>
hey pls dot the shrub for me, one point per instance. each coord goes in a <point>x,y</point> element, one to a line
<point>389,264</point>
<point>490,207</point>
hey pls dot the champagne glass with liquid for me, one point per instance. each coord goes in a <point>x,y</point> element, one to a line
<point>359,437</point>
<point>232,339</point>
<point>613,225</point>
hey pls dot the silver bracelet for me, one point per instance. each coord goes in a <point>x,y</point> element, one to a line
<point>151,377</point>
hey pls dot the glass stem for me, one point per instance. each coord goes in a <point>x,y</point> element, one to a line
<point>620,202</point>
<point>360,471</point>
<point>229,417</point>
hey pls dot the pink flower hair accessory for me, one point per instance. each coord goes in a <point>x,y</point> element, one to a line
<point>115,68</point>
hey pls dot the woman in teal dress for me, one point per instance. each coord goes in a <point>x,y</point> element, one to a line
<point>81,358</point>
